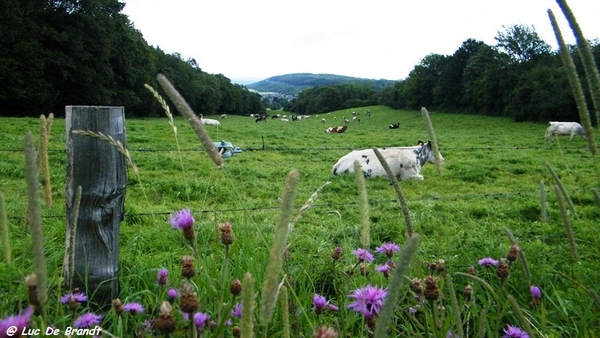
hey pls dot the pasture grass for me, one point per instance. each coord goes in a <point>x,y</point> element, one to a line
<point>490,181</point>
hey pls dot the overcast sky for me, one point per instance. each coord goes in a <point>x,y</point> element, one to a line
<point>377,39</point>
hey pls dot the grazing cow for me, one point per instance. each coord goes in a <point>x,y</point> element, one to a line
<point>394,125</point>
<point>322,120</point>
<point>405,162</point>
<point>368,114</point>
<point>337,130</point>
<point>564,128</point>
<point>209,121</point>
<point>261,117</point>
<point>223,116</point>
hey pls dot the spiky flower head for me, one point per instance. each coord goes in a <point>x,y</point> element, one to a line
<point>363,255</point>
<point>513,253</point>
<point>165,322</point>
<point>31,282</point>
<point>189,298</point>
<point>368,301</point>
<point>416,285</point>
<point>471,270</point>
<point>468,292</point>
<point>536,293</point>
<point>503,269</point>
<point>162,277</point>
<point>184,221</point>
<point>237,310</point>
<point>441,266</point>
<point>488,262</point>
<point>18,322</point>
<point>325,332</point>
<point>226,234</point>
<point>201,320</point>
<point>432,292</point>
<point>133,308</point>
<point>337,253</point>
<point>384,269</point>
<point>319,303</point>
<point>87,320</point>
<point>73,299</point>
<point>388,249</point>
<point>235,287</point>
<point>514,332</point>
<point>118,306</point>
<point>187,267</point>
<point>172,293</point>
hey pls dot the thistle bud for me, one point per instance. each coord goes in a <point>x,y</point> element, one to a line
<point>187,267</point>
<point>503,269</point>
<point>189,298</point>
<point>513,252</point>
<point>165,322</point>
<point>432,292</point>
<point>235,287</point>
<point>226,234</point>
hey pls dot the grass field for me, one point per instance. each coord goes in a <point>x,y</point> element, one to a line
<point>490,181</point>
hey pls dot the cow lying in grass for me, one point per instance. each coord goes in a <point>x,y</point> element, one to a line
<point>405,162</point>
<point>564,128</point>
<point>336,130</point>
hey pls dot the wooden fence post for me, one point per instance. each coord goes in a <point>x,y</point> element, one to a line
<point>92,245</point>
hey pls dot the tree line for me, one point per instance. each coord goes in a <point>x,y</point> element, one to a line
<point>521,77</point>
<point>55,53</point>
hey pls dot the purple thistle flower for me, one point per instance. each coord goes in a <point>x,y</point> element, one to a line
<point>388,249</point>
<point>412,310</point>
<point>449,334</point>
<point>319,303</point>
<point>79,297</point>
<point>20,321</point>
<point>237,310</point>
<point>133,308</point>
<point>536,293</point>
<point>182,219</point>
<point>487,262</point>
<point>87,320</point>
<point>332,307</point>
<point>363,255</point>
<point>172,293</point>
<point>369,300</point>
<point>383,268</point>
<point>201,319</point>
<point>514,332</point>
<point>161,277</point>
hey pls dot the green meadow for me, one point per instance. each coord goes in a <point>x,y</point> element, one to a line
<point>490,185</point>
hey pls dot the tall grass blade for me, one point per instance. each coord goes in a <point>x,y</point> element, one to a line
<point>363,204</point>
<point>566,222</point>
<point>393,291</point>
<point>575,84</point>
<point>270,288</point>
<point>562,188</point>
<point>433,139</point>
<point>585,53</point>
<point>520,315</point>
<point>35,218</point>
<point>285,312</point>
<point>193,120</point>
<point>543,203</point>
<point>455,307</point>
<point>247,320</point>
<point>4,232</point>
<point>399,193</point>
<point>45,127</point>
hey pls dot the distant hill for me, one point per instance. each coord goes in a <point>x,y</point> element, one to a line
<point>292,84</point>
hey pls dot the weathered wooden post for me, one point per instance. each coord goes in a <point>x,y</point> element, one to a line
<point>92,246</point>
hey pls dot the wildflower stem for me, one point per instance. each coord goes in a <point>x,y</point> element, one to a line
<point>223,277</point>
<point>563,190</point>
<point>520,254</point>
<point>482,282</point>
<point>433,139</point>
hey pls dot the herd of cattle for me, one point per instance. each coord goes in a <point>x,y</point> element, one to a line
<point>404,162</point>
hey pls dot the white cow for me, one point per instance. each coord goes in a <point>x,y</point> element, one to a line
<point>209,121</point>
<point>564,128</point>
<point>405,162</point>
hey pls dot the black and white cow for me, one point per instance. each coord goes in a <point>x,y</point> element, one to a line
<point>405,162</point>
